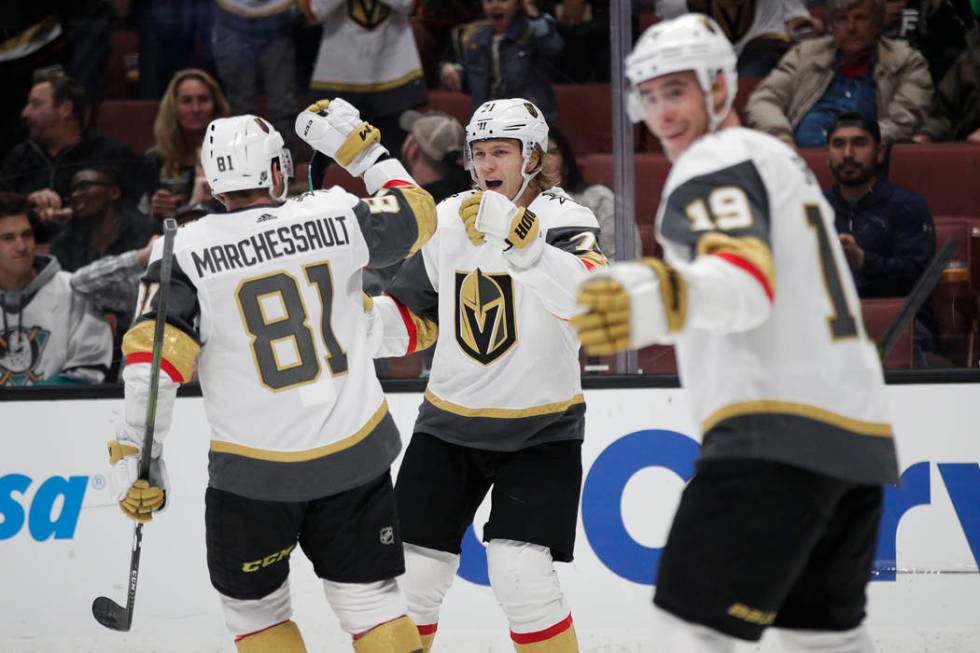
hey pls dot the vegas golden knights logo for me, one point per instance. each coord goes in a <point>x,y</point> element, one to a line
<point>735,17</point>
<point>484,320</point>
<point>367,13</point>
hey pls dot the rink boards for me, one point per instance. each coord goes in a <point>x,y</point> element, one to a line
<point>63,541</point>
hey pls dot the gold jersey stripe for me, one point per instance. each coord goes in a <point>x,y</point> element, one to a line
<point>673,292</point>
<point>221,446</point>
<point>32,33</point>
<point>503,413</point>
<point>424,210</point>
<point>367,88</point>
<point>751,249</point>
<point>179,349</point>
<point>426,331</point>
<point>876,429</point>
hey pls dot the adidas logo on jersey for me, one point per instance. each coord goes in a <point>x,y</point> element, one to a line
<point>265,217</point>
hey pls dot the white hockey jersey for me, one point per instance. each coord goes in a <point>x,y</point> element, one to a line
<point>48,330</point>
<point>273,296</point>
<point>505,373</point>
<point>803,383</point>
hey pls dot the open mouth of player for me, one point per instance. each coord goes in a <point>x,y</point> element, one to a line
<point>494,184</point>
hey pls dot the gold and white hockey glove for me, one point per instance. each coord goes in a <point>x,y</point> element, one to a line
<point>629,306</point>
<point>334,127</point>
<point>138,498</point>
<point>468,209</point>
<point>516,231</point>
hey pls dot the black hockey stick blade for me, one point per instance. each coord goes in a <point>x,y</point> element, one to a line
<point>106,611</point>
<point>920,293</point>
<point>111,615</point>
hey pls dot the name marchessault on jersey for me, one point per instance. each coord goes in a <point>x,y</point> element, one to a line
<point>271,244</point>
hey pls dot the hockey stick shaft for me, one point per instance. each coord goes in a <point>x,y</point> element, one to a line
<point>917,297</point>
<point>166,270</point>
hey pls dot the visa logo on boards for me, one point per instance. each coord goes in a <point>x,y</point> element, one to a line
<point>66,492</point>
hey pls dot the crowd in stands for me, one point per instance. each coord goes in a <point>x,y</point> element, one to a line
<point>863,89</point>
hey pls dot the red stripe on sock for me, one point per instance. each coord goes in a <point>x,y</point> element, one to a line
<point>256,632</point>
<point>427,629</point>
<point>165,365</point>
<point>542,635</point>
<point>409,326</point>
<point>740,262</point>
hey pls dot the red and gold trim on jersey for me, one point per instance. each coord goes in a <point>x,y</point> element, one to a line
<point>559,638</point>
<point>422,332</point>
<point>177,355</point>
<point>749,254</point>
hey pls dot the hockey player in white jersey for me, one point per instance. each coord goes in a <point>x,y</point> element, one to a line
<point>503,408</point>
<point>778,525</point>
<point>266,299</point>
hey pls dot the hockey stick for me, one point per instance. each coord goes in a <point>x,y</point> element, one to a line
<point>106,611</point>
<point>917,297</point>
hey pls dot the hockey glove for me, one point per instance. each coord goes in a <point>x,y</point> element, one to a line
<point>624,309</point>
<point>468,209</point>
<point>138,498</point>
<point>334,127</point>
<point>514,230</point>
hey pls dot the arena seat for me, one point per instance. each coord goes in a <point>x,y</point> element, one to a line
<point>657,359</point>
<point>745,87</point>
<point>131,121</point>
<point>337,176</point>
<point>817,159</point>
<point>650,174</point>
<point>117,83</point>
<point>944,173</point>
<point>585,116</point>
<point>878,315</point>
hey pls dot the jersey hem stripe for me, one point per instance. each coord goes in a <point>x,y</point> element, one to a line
<point>409,326</point>
<point>220,446</point>
<point>740,262</point>
<point>503,413</point>
<point>875,429</point>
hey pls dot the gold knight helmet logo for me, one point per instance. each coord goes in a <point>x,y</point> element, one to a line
<point>484,320</point>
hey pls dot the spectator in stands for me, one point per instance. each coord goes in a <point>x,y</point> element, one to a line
<point>760,30</point>
<point>173,35</point>
<point>48,334</point>
<point>368,57</point>
<point>955,113</point>
<point>433,152</point>
<point>192,100</point>
<point>886,231</point>
<point>584,29</point>
<point>506,55</point>
<point>560,164</point>
<point>60,144</point>
<point>102,223</point>
<point>854,69</point>
<point>252,41</point>
<point>432,25</point>
<point>941,34</point>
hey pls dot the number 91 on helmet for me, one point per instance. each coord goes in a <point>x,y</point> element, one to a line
<point>238,152</point>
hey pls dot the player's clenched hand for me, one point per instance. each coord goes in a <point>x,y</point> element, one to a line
<point>515,230</point>
<point>334,127</point>
<point>138,498</point>
<point>624,309</point>
<point>468,210</point>
<point>605,326</point>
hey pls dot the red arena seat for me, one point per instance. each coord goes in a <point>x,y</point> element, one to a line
<point>944,173</point>
<point>131,121</point>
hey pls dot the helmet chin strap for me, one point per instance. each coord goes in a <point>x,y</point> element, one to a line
<point>526,176</point>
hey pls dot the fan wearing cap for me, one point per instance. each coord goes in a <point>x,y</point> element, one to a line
<point>433,152</point>
<point>494,289</point>
<point>778,526</point>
